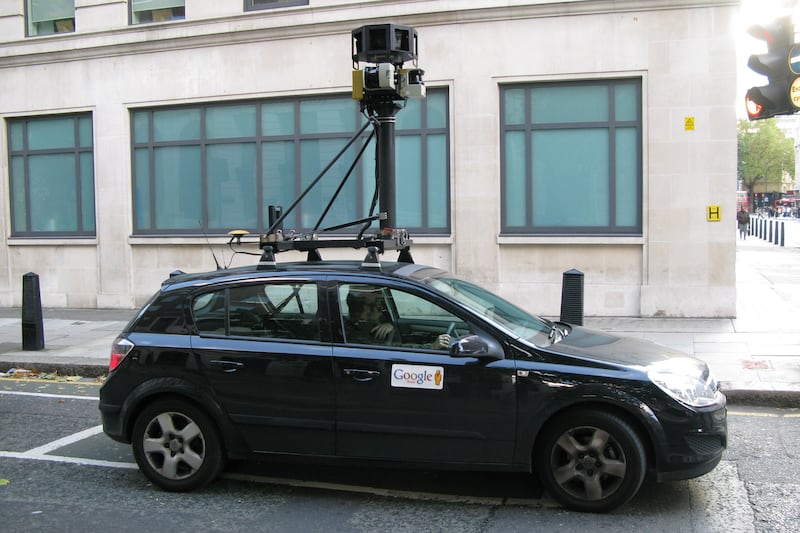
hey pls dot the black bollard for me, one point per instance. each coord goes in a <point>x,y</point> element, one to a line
<point>783,233</point>
<point>572,297</point>
<point>32,322</point>
<point>769,239</point>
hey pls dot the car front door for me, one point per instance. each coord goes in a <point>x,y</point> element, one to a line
<point>401,394</point>
<point>260,345</point>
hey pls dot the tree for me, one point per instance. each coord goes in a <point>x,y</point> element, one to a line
<point>766,156</point>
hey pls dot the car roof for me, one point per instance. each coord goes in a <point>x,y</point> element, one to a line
<point>387,269</point>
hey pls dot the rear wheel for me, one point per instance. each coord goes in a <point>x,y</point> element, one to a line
<point>177,446</point>
<point>592,461</point>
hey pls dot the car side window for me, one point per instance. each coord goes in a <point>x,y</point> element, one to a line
<point>281,310</point>
<point>390,317</point>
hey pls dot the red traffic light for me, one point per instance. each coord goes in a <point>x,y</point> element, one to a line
<point>774,98</point>
<point>754,109</point>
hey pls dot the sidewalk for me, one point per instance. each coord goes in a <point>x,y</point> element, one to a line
<point>755,357</point>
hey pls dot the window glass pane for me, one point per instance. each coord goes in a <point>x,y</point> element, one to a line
<point>49,134</point>
<point>418,322</point>
<point>209,313</point>
<point>409,181</point>
<point>87,191</point>
<point>144,11</point>
<point>277,118</point>
<point>314,156</point>
<point>625,101</point>
<point>231,121</point>
<point>569,103</point>
<point>19,212</point>
<point>178,189</point>
<point>85,132</point>
<point>280,310</point>
<point>46,17</point>
<point>142,5</point>
<point>41,10</point>
<point>16,136</point>
<point>514,106</point>
<point>278,175</point>
<point>437,181</point>
<point>514,194</point>
<point>410,118</point>
<point>627,192</point>
<point>436,103</point>
<point>141,188</point>
<point>52,193</point>
<point>232,193</point>
<point>327,116</point>
<point>368,180</point>
<point>264,4</point>
<point>570,178</point>
<point>176,125</point>
<point>141,127</point>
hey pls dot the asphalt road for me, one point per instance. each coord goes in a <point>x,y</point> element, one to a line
<point>59,472</point>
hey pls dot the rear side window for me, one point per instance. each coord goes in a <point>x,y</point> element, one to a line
<point>281,310</point>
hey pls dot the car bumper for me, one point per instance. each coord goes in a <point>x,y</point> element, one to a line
<point>694,446</point>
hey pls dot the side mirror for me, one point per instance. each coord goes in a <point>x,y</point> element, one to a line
<point>475,346</point>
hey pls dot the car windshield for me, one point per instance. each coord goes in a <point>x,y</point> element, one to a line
<point>502,313</point>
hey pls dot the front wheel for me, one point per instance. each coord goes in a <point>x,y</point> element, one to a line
<point>177,446</point>
<point>591,462</point>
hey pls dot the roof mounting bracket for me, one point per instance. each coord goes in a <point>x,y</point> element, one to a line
<point>371,261</point>
<point>267,260</point>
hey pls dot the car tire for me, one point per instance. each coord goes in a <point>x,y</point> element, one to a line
<point>590,461</point>
<point>177,446</point>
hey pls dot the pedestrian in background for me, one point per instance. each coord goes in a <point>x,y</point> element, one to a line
<point>743,219</point>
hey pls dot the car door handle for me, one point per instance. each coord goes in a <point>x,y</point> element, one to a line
<point>361,375</point>
<point>226,366</point>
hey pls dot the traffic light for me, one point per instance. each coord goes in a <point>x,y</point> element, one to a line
<point>777,65</point>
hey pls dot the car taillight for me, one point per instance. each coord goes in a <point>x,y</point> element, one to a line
<point>119,350</point>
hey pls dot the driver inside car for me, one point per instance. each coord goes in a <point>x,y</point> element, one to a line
<point>368,320</point>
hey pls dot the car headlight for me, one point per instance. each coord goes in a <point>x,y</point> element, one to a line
<point>687,380</point>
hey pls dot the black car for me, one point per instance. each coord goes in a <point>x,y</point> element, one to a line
<point>400,362</point>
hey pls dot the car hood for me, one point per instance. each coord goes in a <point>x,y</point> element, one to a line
<point>605,347</point>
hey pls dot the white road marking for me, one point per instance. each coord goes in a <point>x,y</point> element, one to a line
<point>69,439</point>
<point>48,395</point>
<point>70,460</point>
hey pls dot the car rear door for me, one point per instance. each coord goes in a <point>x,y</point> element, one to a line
<point>402,399</point>
<point>265,352</point>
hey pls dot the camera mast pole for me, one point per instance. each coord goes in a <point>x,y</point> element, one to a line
<point>381,87</point>
<point>386,117</point>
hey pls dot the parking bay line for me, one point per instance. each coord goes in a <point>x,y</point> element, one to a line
<point>49,395</point>
<point>40,453</point>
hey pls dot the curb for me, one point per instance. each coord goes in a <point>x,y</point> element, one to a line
<point>63,369</point>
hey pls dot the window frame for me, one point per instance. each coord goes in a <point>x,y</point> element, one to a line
<point>26,153</point>
<point>132,18</point>
<point>29,23</point>
<point>297,137</point>
<point>611,125</point>
<point>249,5</point>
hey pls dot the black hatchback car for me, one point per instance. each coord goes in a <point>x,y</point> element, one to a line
<point>405,363</point>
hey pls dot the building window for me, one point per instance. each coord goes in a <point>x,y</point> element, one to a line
<point>252,5</point>
<point>147,11</point>
<point>572,158</point>
<point>213,168</point>
<point>45,17</point>
<point>51,175</point>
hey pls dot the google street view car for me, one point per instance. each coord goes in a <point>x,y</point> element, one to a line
<point>400,363</point>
